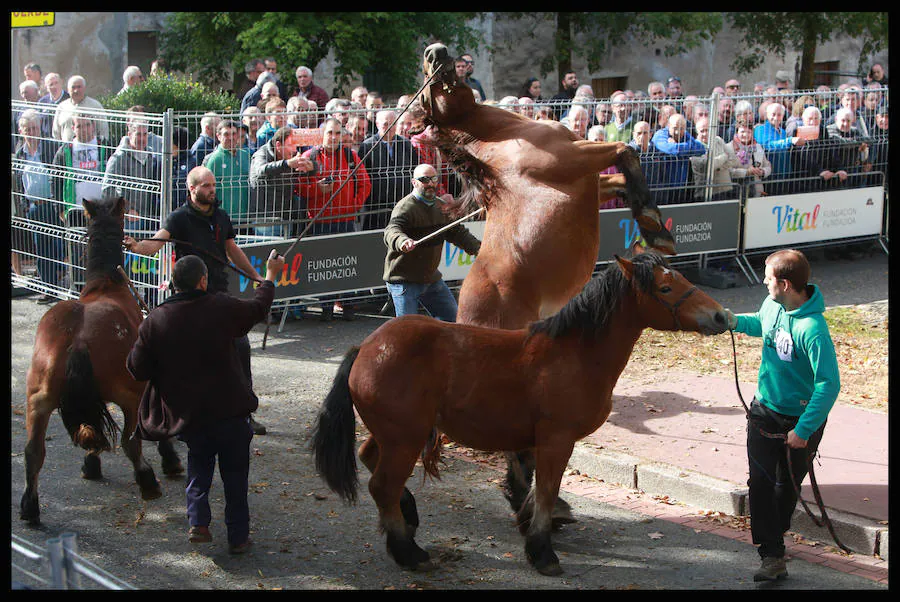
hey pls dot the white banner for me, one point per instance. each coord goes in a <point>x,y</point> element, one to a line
<point>784,221</point>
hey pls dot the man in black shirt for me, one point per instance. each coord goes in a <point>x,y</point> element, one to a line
<point>208,230</point>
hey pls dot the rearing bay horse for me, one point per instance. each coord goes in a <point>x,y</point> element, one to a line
<point>495,390</point>
<point>542,188</point>
<point>78,365</point>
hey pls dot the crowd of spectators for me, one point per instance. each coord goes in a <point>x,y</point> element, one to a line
<point>280,161</point>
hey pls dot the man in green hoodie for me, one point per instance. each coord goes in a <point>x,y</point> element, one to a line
<point>797,386</point>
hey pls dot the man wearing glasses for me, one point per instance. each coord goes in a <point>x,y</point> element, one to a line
<point>732,87</point>
<point>410,267</point>
<point>797,386</point>
<point>470,69</point>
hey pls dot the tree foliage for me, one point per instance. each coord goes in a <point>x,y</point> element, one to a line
<point>212,46</point>
<point>777,32</point>
<point>591,36</point>
<point>159,93</point>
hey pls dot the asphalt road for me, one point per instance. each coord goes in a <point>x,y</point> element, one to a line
<point>306,538</point>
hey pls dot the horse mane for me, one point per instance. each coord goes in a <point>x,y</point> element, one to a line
<point>104,245</point>
<point>592,310</point>
<point>478,178</point>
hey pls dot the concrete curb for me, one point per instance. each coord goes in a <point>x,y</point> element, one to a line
<point>862,535</point>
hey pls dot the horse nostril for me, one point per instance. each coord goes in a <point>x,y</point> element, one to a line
<point>720,317</point>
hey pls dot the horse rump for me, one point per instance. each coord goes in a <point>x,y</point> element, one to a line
<point>81,406</point>
<point>334,435</point>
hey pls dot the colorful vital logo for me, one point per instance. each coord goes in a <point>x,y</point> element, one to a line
<point>789,219</point>
<point>289,274</point>
<point>451,253</point>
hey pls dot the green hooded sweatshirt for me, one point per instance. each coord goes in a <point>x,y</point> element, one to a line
<point>798,373</point>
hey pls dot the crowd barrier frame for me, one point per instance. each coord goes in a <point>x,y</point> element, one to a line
<point>725,222</point>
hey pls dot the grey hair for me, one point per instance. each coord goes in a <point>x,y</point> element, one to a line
<point>130,72</point>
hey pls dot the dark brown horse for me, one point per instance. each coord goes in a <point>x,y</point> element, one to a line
<point>78,366</point>
<point>542,188</point>
<point>495,390</point>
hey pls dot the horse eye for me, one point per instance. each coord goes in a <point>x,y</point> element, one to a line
<point>665,289</point>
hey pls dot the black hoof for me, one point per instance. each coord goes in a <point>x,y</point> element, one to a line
<point>541,555</point>
<point>90,470</point>
<point>172,468</point>
<point>562,514</point>
<point>30,511</point>
<point>407,554</point>
<point>150,489</point>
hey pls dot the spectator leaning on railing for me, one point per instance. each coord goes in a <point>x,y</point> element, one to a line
<point>274,171</point>
<point>772,137</point>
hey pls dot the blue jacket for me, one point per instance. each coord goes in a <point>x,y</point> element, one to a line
<point>675,169</point>
<point>777,145</point>
<point>798,372</point>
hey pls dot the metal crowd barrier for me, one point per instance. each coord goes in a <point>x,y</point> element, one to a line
<point>58,566</point>
<point>46,251</point>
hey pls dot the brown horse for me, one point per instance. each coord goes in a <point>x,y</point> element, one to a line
<point>542,188</point>
<point>78,365</point>
<point>495,390</point>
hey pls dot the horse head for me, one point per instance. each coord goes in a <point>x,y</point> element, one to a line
<point>106,228</point>
<point>666,300</point>
<point>112,206</point>
<point>441,98</point>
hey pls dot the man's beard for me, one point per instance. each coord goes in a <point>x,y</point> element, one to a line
<point>428,193</point>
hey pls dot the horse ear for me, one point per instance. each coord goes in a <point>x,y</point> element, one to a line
<point>89,207</point>
<point>637,247</point>
<point>626,266</point>
<point>120,206</point>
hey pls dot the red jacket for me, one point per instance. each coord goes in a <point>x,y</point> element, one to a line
<point>351,197</point>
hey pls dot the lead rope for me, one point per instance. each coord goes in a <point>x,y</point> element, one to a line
<point>825,520</point>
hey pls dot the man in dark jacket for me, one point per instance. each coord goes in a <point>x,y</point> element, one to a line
<point>207,230</point>
<point>196,389</point>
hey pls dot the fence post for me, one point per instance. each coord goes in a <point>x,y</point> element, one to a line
<point>70,550</point>
<point>57,563</point>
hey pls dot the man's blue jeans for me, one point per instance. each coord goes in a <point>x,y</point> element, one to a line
<point>435,297</point>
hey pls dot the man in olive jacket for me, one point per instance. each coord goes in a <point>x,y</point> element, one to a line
<point>411,267</point>
<point>197,390</point>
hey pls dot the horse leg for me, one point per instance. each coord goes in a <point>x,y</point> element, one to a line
<point>550,462</point>
<point>386,486</point>
<point>368,455</point>
<point>519,472</point>
<point>171,463</point>
<point>36,422</point>
<point>643,205</point>
<point>517,490</point>
<point>143,472</point>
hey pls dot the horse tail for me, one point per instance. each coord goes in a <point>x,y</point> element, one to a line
<point>431,455</point>
<point>81,406</point>
<point>334,435</point>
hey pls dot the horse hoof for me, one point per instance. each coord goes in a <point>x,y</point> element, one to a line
<point>557,522</point>
<point>427,565</point>
<point>151,495</point>
<point>91,470</point>
<point>551,570</point>
<point>31,514</point>
<point>173,470</point>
